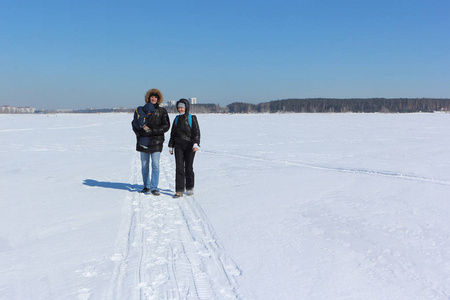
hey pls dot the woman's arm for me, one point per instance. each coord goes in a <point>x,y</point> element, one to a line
<point>195,137</point>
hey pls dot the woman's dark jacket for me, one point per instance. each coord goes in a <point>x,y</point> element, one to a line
<point>182,134</point>
<point>159,123</point>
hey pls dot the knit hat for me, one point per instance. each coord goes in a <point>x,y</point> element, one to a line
<point>181,104</point>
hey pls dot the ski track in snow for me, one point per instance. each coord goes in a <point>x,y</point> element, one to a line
<point>342,170</point>
<point>166,248</point>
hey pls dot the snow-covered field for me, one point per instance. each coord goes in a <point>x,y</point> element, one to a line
<point>286,206</point>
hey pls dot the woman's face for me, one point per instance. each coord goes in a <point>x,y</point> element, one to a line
<point>181,110</point>
<point>153,99</point>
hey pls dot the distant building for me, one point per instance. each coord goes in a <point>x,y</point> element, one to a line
<point>6,109</point>
<point>168,103</point>
<point>64,110</point>
<point>193,100</point>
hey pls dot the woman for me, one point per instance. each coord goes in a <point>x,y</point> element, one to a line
<point>156,125</point>
<point>185,139</point>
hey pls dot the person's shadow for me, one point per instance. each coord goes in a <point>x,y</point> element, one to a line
<point>121,186</point>
<point>113,185</point>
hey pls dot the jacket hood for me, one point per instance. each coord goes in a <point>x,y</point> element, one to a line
<point>154,91</point>
<point>186,103</point>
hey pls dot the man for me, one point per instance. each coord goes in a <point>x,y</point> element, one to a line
<point>156,125</point>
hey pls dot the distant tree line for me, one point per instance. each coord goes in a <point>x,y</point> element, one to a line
<point>312,105</point>
<point>324,105</point>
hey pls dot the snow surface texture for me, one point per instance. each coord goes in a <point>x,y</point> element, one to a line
<point>288,206</point>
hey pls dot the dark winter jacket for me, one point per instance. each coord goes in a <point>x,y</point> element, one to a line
<point>182,134</point>
<point>158,122</point>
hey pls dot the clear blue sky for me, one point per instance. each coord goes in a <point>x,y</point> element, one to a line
<point>90,53</point>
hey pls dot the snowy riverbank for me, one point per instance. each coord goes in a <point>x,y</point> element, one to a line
<point>295,206</point>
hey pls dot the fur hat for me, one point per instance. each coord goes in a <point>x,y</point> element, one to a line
<point>154,92</point>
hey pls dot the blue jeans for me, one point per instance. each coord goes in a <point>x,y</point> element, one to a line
<point>145,164</point>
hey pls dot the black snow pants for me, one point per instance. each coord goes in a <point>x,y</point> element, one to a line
<point>184,173</point>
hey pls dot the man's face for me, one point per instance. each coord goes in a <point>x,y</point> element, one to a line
<point>153,99</point>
